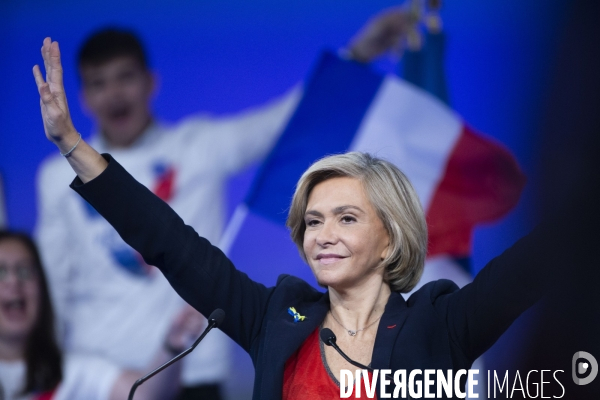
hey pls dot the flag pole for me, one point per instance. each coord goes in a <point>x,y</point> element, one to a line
<point>233,228</point>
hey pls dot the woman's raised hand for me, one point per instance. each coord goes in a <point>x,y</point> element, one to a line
<point>85,161</point>
<point>53,101</point>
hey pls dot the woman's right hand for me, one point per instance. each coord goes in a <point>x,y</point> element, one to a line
<point>53,101</point>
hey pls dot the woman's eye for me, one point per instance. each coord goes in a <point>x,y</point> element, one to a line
<point>312,222</point>
<point>348,219</point>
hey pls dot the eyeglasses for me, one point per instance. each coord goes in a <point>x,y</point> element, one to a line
<point>22,272</point>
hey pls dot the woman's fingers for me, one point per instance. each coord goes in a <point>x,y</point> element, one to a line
<point>56,73</point>
<point>45,48</point>
<point>51,56</point>
<point>43,87</point>
<point>51,89</point>
<point>53,102</point>
<point>37,75</point>
<point>45,52</point>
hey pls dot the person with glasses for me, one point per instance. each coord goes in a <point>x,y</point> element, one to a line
<point>32,366</point>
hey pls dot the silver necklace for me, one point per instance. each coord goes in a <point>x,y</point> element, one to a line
<point>350,331</point>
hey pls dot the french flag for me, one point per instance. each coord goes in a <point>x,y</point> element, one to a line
<point>461,177</point>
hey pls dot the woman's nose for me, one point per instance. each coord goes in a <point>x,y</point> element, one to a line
<point>327,234</point>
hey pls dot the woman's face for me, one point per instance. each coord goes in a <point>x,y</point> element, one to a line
<point>19,290</point>
<point>344,239</point>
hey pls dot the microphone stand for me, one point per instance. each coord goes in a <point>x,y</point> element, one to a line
<point>211,324</point>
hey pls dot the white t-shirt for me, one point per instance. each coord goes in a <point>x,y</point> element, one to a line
<point>12,378</point>
<point>84,377</point>
<point>109,302</point>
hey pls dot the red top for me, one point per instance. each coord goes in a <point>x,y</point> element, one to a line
<point>305,376</point>
<point>45,396</point>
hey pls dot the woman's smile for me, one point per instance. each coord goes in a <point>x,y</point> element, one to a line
<point>344,240</point>
<point>328,258</point>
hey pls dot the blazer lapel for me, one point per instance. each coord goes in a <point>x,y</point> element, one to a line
<point>390,325</point>
<point>284,336</point>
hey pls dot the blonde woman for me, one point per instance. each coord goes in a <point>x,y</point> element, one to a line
<point>357,223</point>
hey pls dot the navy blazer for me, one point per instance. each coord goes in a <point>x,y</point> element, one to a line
<point>438,327</point>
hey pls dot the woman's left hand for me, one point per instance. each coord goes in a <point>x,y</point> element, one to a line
<point>53,101</point>
<point>85,161</point>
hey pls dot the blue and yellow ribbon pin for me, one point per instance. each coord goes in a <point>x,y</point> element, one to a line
<point>297,317</point>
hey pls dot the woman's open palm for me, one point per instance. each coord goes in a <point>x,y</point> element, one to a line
<point>53,101</point>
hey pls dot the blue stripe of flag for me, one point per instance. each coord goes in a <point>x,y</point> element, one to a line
<point>336,98</point>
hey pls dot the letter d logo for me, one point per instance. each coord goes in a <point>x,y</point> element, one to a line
<point>583,367</point>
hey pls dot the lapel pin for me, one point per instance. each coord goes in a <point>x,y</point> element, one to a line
<point>297,317</point>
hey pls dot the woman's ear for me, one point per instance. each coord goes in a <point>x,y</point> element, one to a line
<point>386,251</point>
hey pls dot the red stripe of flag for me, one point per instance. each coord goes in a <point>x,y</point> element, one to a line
<point>481,183</point>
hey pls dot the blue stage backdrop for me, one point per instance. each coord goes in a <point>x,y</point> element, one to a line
<point>223,56</point>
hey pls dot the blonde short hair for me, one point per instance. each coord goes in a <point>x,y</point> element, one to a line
<point>394,200</point>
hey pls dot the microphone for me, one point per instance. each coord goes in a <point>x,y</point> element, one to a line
<point>328,337</point>
<point>214,320</point>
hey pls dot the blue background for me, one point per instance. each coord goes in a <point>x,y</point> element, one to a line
<point>222,56</point>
